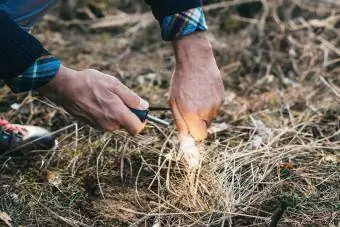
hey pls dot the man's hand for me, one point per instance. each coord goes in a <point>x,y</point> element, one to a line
<point>98,99</point>
<point>196,90</point>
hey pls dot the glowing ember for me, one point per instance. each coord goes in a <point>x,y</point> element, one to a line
<point>189,151</point>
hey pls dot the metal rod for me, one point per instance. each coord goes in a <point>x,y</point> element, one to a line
<point>157,120</point>
<point>157,108</point>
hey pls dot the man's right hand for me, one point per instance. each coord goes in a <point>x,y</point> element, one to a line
<point>99,99</point>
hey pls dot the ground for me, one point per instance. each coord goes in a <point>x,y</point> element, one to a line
<point>272,158</point>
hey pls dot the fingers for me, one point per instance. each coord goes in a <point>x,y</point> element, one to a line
<point>189,123</point>
<point>127,98</point>
<point>129,121</point>
<point>198,121</point>
<point>179,121</point>
<point>197,127</point>
<point>100,100</point>
<point>130,98</point>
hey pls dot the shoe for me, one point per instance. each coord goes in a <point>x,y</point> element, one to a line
<point>24,138</point>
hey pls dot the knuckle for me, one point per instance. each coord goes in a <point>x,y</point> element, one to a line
<point>115,80</point>
<point>115,83</point>
<point>90,71</point>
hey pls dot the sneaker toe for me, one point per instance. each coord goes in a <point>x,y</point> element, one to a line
<point>39,137</point>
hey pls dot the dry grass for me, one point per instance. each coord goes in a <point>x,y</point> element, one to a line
<point>277,162</point>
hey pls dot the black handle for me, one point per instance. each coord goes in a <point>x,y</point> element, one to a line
<point>141,114</point>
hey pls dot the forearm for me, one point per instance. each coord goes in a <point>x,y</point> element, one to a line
<point>187,49</point>
<point>24,63</point>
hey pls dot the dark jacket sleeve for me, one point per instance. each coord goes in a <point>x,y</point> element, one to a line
<point>18,49</point>
<point>162,8</point>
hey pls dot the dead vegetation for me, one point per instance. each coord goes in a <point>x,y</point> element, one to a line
<point>273,155</point>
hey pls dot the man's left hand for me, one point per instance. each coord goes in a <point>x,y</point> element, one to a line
<point>196,90</point>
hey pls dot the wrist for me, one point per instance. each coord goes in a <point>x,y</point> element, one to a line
<point>192,48</point>
<point>54,88</point>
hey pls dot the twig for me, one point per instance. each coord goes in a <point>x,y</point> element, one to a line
<point>97,167</point>
<point>334,89</point>
<point>227,4</point>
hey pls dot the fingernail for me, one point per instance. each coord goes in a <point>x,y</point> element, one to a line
<point>143,104</point>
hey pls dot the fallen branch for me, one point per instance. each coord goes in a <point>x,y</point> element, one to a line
<point>227,4</point>
<point>122,19</point>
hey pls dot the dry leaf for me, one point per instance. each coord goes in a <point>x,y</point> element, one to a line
<point>4,217</point>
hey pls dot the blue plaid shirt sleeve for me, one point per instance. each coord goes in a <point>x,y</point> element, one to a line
<point>38,74</point>
<point>183,23</point>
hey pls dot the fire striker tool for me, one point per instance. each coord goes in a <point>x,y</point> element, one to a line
<point>157,108</point>
<point>144,115</point>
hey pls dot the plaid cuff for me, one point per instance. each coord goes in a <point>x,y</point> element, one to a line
<point>184,23</point>
<point>38,74</point>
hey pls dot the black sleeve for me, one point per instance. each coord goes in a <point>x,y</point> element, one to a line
<point>18,49</point>
<point>162,8</point>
